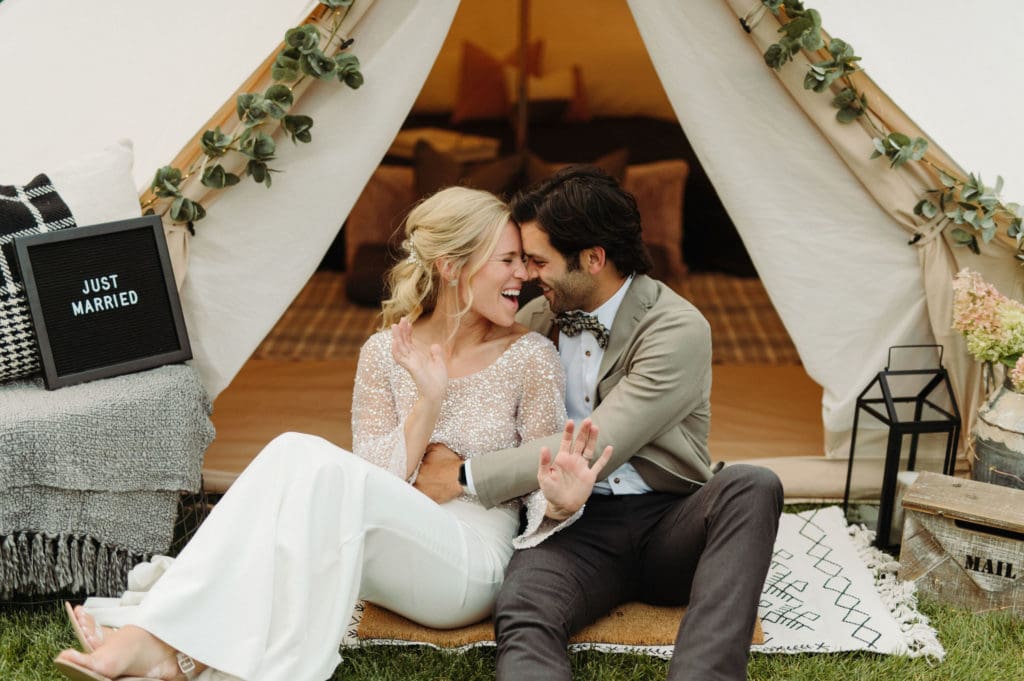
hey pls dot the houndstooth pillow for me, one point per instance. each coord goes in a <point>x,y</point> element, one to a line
<point>97,187</point>
<point>31,209</point>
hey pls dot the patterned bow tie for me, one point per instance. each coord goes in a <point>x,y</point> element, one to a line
<point>575,322</point>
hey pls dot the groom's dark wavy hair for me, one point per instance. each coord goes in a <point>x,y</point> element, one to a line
<point>581,207</point>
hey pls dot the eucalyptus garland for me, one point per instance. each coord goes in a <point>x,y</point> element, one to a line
<point>307,53</point>
<point>976,208</point>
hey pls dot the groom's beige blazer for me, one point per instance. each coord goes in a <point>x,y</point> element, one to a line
<point>652,403</point>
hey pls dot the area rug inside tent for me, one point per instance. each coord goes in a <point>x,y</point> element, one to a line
<point>321,323</point>
<point>828,590</point>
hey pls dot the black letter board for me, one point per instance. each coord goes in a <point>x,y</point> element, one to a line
<point>103,300</point>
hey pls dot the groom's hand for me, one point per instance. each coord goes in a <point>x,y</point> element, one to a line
<point>567,479</point>
<point>439,473</point>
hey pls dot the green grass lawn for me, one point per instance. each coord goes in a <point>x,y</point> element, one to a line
<point>978,648</point>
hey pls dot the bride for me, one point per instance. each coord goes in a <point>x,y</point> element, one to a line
<point>266,587</point>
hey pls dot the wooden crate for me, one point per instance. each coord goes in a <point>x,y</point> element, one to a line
<point>963,542</point>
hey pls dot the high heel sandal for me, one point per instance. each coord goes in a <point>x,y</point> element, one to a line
<point>76,672</point>
<point>77,628</point>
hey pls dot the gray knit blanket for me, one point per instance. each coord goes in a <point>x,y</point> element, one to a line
<point>91,475</point>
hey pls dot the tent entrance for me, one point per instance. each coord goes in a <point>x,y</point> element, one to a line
<point>765,407</point>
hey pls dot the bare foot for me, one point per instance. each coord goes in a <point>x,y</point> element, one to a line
<point>130,651</point>
<point>94,634</point>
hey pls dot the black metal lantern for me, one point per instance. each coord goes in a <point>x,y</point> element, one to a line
<point>909,402</point>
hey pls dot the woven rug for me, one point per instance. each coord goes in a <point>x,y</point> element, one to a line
<point>322,323</point>
<point>828,590</point>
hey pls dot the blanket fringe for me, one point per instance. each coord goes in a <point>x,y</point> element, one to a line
<point>920,638</point>
<point>37,563</point>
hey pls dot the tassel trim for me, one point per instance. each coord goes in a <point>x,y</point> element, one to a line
<point>37,563</point>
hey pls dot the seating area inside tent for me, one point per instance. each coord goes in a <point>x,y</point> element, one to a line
<point>804,253</point>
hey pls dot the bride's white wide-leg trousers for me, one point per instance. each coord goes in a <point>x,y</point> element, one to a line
<point>266,588</point>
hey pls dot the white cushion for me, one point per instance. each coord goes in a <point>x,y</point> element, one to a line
<point>98,187</point>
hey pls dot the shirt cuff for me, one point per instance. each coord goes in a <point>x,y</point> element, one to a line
<point>469,478</point>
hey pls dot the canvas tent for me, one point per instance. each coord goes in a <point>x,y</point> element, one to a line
<point>834,260</point>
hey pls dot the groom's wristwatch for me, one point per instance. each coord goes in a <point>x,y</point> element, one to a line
<point>462,476</point>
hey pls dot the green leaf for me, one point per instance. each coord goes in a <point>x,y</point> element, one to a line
<point>298,127</point>
<point>962,236</point>
<point>216,177</point>
<point>354,80</point>
<point>274,110</point>
<point>280,94</point>
<point>926,209</point>
<point>256,169</point>
<point>844,98</point>
<point>186,210</point>
<point>812,40</point>
<point>918,148</point>
<point>259,171</point>
<point>848,114</point>
<point>898,139</point>
<point>1010,361</point>
<point>947,180</point>
<point>345,62</point>
<point>776,56</point>
<point>1016,228</point>
<point>305,38</point>
<point>999,185</point>
<point>215,143</point>
<point>166,181</point>
<point>286,65</point>
<point>335,4</point>
<point>259,147</point>
<point>251,107</point>
<point>840,49</point>
<point>317,64</point>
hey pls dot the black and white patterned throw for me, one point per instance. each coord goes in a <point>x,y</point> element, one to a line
<point>575,322</point>
<point>30,209</point>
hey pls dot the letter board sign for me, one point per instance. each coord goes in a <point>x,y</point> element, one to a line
<point>102,300</point>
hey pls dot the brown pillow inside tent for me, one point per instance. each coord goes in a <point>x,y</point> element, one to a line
<point>434,170</point>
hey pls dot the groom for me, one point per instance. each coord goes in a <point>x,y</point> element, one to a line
<point>660,527</point>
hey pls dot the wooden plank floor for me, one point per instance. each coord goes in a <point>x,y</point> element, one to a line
<point>757,411</point>
<point>270,397</point>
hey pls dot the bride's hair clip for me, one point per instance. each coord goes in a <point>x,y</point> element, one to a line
<point>410,246</point>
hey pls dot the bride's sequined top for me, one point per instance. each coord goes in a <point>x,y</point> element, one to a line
<point>519,397</point>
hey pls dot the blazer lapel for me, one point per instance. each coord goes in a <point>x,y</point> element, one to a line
<point>543,322</point>
<point>638,300</point>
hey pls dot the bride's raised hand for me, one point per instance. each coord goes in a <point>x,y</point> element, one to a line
<point>427,368</point>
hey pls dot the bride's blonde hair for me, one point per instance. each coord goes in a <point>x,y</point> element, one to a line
<point>446,229</point>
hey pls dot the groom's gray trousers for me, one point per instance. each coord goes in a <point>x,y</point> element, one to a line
<point>710,551</point>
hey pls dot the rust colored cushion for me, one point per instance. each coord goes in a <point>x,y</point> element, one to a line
<point>434,170</point>
<point>614,163</point>
<point>482,93</point>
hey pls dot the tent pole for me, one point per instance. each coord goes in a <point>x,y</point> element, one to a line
<point>524,63</point>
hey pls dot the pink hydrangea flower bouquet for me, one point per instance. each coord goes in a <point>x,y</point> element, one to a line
<point>992,324</point>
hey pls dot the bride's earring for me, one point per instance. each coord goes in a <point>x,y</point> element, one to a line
<point>453,282</point>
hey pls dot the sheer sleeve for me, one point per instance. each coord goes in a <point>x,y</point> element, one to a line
<point>542,407</point>
<point>378,434</point>
<point>541,413</point>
